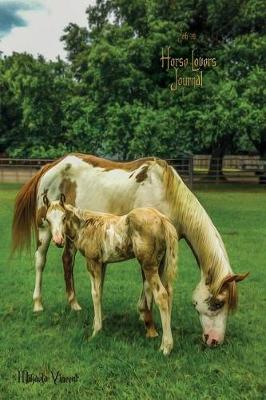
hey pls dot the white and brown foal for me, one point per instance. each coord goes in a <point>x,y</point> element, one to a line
<point>143,233</point>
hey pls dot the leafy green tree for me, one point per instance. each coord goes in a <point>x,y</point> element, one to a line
<point>125,80</point>
<point>252,109</point>
<point>112,97</point>
<point>36,90</point>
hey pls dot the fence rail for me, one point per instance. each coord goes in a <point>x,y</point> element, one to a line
<point>192,169</point>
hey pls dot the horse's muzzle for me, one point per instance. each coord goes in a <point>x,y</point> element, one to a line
<point>59,241</point>
<point>211,340</point>
<point>59,245</point>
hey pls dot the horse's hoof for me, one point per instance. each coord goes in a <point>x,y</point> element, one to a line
<point>95,332</point>
<point>166,352</point>
<point>37,307</point>
<point>75,306</point>
<point>166,349</point>
<point>152,333</point>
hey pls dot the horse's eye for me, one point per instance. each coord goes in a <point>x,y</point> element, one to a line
<point>216,305</point>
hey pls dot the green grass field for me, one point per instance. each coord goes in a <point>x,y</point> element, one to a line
<point>120,363</point>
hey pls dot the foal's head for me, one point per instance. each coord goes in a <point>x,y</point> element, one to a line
<point>56,218</point>
<point>213,301</point>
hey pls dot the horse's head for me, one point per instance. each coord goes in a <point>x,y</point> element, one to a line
<point>56,217</point>
<point>213,305</point>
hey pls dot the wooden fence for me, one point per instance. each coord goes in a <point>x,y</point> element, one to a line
<point>193,169</point>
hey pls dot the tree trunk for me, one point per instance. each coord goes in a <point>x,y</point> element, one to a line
<point>262,150</point>
<point>216,165</point>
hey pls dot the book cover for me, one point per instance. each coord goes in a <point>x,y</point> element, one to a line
<point>112,106</point>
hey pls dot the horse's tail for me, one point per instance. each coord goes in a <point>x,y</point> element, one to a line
<point>24,218</point>
<point>170,258</point>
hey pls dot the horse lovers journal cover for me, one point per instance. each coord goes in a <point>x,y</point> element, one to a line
<point>132,199</point>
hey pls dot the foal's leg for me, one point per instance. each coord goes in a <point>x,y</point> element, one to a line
<point>169,288</point>
<point>43,241</point>
<point>142,304</point>
<point>68,259</point>
<point>167,276</point>
<point>167,282</point>
<point>97,277</point>
<point>162,300</point>
<point>145,304</point>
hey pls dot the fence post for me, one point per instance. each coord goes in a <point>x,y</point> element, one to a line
<point>190,171</point>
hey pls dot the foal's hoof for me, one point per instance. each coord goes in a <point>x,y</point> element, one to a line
<point>141,316</point>
<point>166,348</point>
<point>95,332</point>
<point>151,333</point>
<point>75,306</point>
<point>37,306</point>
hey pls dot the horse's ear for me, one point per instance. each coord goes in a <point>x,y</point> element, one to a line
<point>46,200</point>
<point>62,200</point>
<point>232,278</point>
<point>241,277</point>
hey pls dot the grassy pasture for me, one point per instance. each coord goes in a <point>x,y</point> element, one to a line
<point>121,363</point>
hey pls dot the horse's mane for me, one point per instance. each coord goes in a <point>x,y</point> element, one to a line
<point>197,228</point>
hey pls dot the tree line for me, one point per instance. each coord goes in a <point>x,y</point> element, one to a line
<point>112,97</point>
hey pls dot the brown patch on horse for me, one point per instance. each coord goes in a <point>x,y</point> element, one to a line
<point>108,165</point>
<point>69,188</point>
<point>40,215</point>
<point>142,175</point>
<point>24,218</point>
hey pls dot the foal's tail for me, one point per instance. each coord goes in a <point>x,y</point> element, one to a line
<point>170,258</point>
<point>24,218</point>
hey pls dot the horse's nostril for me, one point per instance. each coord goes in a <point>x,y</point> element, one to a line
<point>214,342</point>
<point>206,337</point>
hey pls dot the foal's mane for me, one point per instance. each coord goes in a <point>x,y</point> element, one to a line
<point>87,216</point>
<point>199,231</point>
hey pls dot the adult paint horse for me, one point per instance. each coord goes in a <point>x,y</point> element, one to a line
<point>143,233</point>
<point>97,184</point>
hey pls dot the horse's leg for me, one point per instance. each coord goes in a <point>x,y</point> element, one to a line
<point>68,259</point>
<point>161,299</point>
<point>145,304</point>
<point>96,275</point>
<point>43,241</point>
<point>103,276</point>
